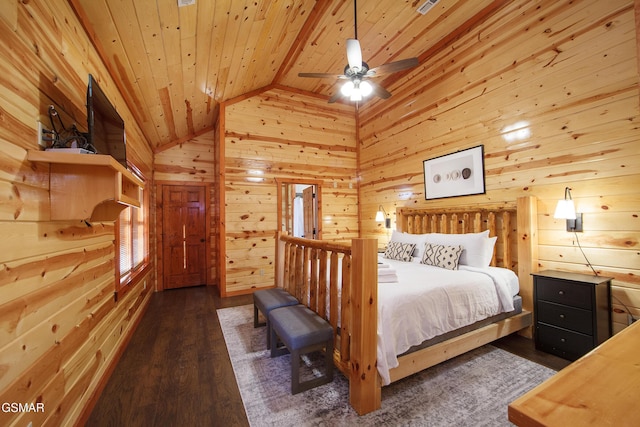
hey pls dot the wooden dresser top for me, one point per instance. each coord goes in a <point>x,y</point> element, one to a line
<point>601,388</point>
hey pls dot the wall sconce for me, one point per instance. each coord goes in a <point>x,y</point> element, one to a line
<point>382,215</point>
<point>565,209</point>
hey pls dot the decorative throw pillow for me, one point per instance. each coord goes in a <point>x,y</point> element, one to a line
<point>399,251</point>
<point>442,256</point>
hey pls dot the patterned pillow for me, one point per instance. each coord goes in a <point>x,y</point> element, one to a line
<point>399,251</point>
<point>442,256</point>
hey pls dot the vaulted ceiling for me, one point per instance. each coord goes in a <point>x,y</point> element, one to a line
<point>175,64</point>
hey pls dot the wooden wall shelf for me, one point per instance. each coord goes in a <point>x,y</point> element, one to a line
<point>91,187</point>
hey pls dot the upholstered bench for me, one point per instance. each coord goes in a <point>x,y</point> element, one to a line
<point>301,331</point>
<point>266,300</point>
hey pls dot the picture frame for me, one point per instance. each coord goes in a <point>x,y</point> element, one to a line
<point>456,174</point>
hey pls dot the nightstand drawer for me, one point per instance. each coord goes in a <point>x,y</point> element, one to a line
<point>562,342</point>
<point>575,319</point>
<point>563,292</point>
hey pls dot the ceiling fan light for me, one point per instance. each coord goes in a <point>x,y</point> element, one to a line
<point>365,88</point>
<point>347,88</point>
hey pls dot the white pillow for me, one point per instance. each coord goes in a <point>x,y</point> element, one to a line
<point>478,247</point>
<point>417,239</point>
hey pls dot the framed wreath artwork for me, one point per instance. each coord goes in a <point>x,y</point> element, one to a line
<point>456,174</point>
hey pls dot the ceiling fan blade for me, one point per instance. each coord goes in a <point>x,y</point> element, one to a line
<point>379,90</point>
<point>321,75</point>
<point>354,54</point>
<point>392,67</point>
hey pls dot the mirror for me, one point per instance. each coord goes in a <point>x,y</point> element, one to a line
<point>299,208</point>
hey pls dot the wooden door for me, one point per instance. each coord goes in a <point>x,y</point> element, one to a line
<point>184,236</point>
<point>308,207</point>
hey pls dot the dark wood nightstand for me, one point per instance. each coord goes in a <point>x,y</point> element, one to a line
<point>572,312</point>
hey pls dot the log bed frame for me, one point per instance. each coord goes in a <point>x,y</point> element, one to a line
<point>308,269</point>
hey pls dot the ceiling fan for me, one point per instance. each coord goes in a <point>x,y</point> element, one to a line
<point>357,72</point>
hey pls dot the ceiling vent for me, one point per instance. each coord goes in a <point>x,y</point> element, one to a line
<point>186,2</point>
<point>427,6</point>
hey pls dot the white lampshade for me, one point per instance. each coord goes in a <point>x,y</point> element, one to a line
<point>380,216</point>
<point>565,209</point>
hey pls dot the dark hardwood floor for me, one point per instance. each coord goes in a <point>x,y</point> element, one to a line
<point>176,370</point>
<point>524,347</point>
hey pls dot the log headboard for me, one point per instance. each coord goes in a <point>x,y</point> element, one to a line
<point>499,221</point>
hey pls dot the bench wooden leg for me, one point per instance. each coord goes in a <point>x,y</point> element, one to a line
<point>328,360</point>
<point>295,372</point>
<point>276,350</point>
<point>256,322</point>
<point>296,385</point>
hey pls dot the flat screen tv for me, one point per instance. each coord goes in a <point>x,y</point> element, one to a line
<point>106,127</point>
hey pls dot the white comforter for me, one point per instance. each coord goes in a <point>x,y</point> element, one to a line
<point>429,301</point>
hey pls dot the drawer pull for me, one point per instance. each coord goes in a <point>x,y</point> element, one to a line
<point>560,292</point>
<point>562,340</point>
<point>562,316</point>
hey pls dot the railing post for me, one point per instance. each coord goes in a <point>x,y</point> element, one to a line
<point>279,276</point>
<point>364,382</point>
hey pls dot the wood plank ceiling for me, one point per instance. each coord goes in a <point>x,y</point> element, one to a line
<point>175,64</point>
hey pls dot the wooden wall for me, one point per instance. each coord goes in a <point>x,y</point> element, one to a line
<point>566,75</point>
<point>59,325</point>
<point>287,135</point>
<point>193,161</point>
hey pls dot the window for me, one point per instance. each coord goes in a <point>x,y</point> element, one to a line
<point>132,244</point>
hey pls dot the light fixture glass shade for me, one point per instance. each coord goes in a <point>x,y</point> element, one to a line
<point>365,88</point>
<point>356,89</point>
<point>380,216</point>
<point>347,88</point>
<point>565,209</point>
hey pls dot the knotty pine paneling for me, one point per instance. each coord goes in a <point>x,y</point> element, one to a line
<point>177,63</point>
<point>60,328</point>
<point>563,73</point>
<point>278,134</point>
<point>193,161</point>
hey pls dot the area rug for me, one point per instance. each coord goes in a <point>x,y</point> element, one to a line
<point>470,390</point>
